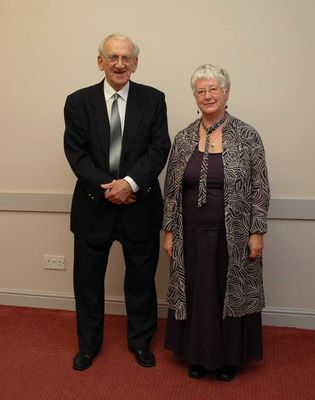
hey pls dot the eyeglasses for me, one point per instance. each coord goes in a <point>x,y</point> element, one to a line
<point>114,59</point>
<point>211,90</point>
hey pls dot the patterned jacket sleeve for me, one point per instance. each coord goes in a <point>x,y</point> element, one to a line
<point>260,194</point>
<point>170,186</point>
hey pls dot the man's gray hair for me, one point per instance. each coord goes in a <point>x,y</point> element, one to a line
<point>136,49</point>
<point>209,71</point>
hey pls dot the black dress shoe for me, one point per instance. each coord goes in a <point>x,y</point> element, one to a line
<point>197,371</point>
<point>82,361</point>
<point>226,373</point>
<point>144,357</point>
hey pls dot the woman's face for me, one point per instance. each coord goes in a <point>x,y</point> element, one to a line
<point>210,97</point>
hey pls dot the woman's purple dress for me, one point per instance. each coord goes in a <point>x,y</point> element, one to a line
<point>205,338</point>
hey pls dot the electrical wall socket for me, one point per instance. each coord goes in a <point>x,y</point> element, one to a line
<point>54,262</point>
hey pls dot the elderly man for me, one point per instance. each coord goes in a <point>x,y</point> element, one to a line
<point>116,141</point>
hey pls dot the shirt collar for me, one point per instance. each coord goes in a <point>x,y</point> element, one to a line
<point>109,91</point>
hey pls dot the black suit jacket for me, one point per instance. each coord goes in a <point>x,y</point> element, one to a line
<point>144,153</point>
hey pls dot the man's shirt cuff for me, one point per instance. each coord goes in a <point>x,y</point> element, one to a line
<point>132,183</point>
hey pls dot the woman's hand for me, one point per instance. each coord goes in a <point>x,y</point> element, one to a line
<point>168,243</point>
<point>255,245</point>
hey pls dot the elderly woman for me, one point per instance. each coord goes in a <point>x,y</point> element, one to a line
<point>216,203</point>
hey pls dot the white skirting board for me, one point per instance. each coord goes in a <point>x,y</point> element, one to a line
<point>272,316</point>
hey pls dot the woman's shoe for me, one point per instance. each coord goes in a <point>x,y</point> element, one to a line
<point>197,371</point>
<point>226,373</point>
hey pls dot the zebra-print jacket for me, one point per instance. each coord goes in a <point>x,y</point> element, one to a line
<point>246,201</point>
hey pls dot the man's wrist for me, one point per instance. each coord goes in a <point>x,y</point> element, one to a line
<point>132,183</point>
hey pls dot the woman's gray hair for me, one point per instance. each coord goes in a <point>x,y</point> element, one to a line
<point>136,49</point>
<point>209,71</point>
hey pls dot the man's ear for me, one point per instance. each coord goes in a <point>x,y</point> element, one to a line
<point>135,65</point>
<point>100,63</point>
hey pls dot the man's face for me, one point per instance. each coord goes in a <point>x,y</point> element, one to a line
<point>118,62</point>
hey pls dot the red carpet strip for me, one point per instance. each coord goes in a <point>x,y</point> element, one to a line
<point>37,347</point>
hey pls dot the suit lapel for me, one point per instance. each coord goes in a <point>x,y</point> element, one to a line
<point>133,117</point>
<point>100,119</point>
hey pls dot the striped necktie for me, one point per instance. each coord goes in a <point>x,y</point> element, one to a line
<point>115,139</point>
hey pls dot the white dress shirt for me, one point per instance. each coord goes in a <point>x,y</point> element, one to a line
<point>122,103</point>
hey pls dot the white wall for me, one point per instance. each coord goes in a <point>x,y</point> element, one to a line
<point>48,49</point>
